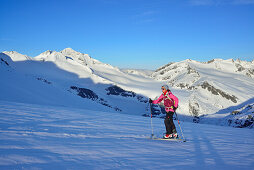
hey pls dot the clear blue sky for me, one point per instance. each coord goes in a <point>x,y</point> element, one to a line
<point>131,33</point>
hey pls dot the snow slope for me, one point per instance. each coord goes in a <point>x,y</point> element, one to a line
<point>50,137</point>
<point>142,72</point>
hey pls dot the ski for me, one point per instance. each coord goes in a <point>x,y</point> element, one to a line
<point>169,139</point>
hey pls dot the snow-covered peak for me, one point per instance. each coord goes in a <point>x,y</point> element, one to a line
<point>48,52</point>
<point>15,56</point>
<point>69,51</point>
<point>74,62</point>
<point>213,61</point>
<point>68,55</point>
<point>11,52</point>
<point>229,66</point>
<point>50,56</point>
<point>81,58</point>
<point>87,60</point>
<point>188,60</point>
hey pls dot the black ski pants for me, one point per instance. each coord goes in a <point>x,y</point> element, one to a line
<point>169,124</point>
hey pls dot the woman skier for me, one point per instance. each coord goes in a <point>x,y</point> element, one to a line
<point>171,104</point>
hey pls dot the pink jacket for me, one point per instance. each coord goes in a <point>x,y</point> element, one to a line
<point>168,103</point>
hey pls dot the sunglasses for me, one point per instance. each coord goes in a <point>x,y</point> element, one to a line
<point>162,88</point>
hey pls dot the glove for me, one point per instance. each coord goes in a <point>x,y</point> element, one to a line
<point>150,100</point>
<point>174,108</point>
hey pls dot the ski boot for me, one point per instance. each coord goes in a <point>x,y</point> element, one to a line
<point>168,136</point>
<point>174,135</point>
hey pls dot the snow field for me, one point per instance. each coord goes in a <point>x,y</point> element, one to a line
<point>42,137</point>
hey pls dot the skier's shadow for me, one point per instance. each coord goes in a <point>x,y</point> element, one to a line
<point>209,158</point>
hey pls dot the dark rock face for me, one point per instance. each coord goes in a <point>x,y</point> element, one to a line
<point>44,80</point>
<point>118,91</point>
<point>250,73</point>
<point>241,123</point>
<point>155,111</point>
<point>163,67</point>
<point>115,90</point>
<point>242,118</point>
<point>85,93</point>
<point>215,91</point>
<point>89,94</point>
<point>194,109</point>
<point>3,61</point>
<point>210,61</point>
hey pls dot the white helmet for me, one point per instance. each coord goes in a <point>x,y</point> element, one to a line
<point>165,86</point>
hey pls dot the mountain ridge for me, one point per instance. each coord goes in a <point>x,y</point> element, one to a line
<point>202,87</point>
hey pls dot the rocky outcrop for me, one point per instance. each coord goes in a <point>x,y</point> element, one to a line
<point>242,117</point>
<point>89,94</point>
<point>216,91</point>
<point>44,80</point>
<point>4,62</point>
<point>118,91</point>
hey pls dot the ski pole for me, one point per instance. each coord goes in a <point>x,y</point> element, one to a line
<point>152,135</point>
<point>180,127</point>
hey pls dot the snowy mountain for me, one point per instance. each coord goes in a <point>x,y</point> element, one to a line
<point>82,81</point>
<point>21,82</point>
<point>209,86</point>
<point>73,79</point>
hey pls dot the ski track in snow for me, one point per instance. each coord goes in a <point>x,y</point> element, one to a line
<point>40,137</point>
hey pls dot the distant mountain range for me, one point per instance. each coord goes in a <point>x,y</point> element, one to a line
<point>211,86</point>
<point>73,79</point>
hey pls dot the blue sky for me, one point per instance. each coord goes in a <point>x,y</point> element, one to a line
<point>131,33</point>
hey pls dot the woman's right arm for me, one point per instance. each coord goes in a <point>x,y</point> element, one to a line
<point>158,100</point>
